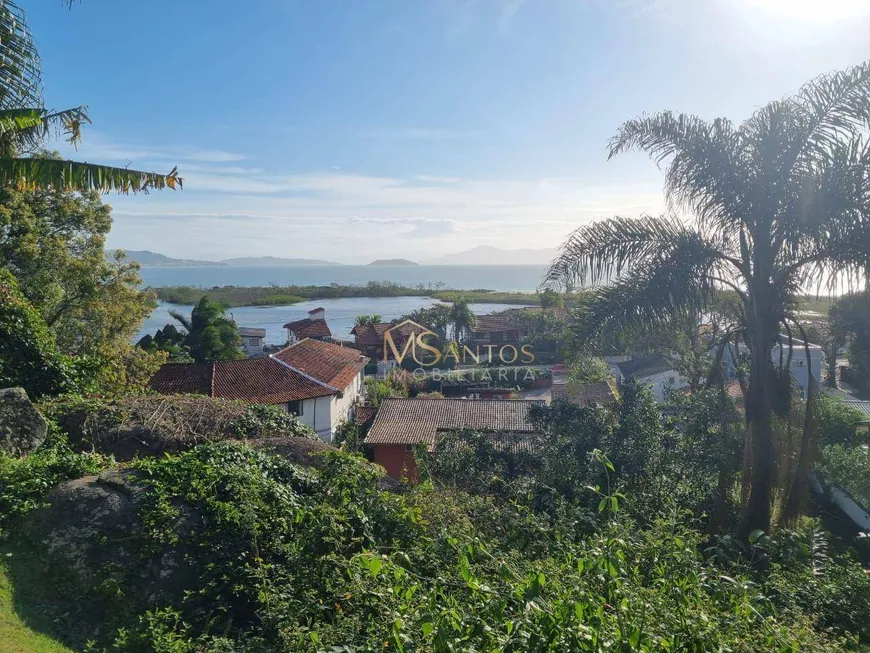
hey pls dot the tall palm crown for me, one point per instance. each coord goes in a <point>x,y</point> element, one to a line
<point>779,202</point>
<point>25,124</point>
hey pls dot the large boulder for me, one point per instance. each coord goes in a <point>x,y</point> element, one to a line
<point>22,427</point>
<point>91,531</point>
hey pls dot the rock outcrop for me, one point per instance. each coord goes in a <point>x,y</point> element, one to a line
<point>22,427</point>
<point>91,530</point>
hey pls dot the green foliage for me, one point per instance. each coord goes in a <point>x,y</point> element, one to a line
<point>285,295</point>
<point>209,335</point>
<point>25,482</point>
<point>588,369</point>
<point>53,244</point>
<point>838,422</point>
<point>396,384</point>
<point>848,468</point>
<point>28,353</point>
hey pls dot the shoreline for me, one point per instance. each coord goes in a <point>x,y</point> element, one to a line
<point>239,296</point>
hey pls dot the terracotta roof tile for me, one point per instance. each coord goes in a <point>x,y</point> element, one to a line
<point>415,421</point>
<point>309,328</point>
<point>331,364</point>
<point>183,379</point>
<point>256,380</point>
<point>364,415</point>
<point>584,393</point>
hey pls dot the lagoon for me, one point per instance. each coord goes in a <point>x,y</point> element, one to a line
<point>340,314</point>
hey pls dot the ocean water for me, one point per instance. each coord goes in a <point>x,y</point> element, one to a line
<point>340,314</point>
<point>461,277</point>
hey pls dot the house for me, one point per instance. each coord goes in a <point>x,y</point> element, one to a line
<point>862,407</point>
<point>314,326</point>
<point>253,340</point>
<point>497,329</point>
<point>654,371</point>
<point>584,393</point>
<point>401,425</point>
<point>318,382</point>
<point>779,353</point>
<point>370,339</point>
<point>798,365</point>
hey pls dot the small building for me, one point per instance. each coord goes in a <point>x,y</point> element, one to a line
<point>402,424</point>
<point>497,329</point>
<point>253,340</point>
<point>798,367</point>
<point>654,371</point>
<point>370,339</point>
<point>584,394</point>
<point>318,382</point>
<point>314,327</point>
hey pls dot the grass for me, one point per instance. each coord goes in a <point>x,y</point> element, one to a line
<point>817,304</point>
<point>19,617</point>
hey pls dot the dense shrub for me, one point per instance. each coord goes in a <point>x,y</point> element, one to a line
<point>152,424</point>
<point>849,469</point>
<point>838,422</point>
<point>25,482</point>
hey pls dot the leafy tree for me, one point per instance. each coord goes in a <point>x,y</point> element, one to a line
<point>29,357</point>
<point>588,369</point>
<point>53,242</point>
<point>778,202</point>
<point>210,334</point>
<point>25,124</point>
<point>435,318</point>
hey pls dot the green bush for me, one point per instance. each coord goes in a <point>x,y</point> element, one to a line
<point>849,469</point>
<point>25,482</point>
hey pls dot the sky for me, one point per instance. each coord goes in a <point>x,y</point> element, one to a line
<point>350,130</point>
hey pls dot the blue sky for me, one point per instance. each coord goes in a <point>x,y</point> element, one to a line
<point>360,129</point>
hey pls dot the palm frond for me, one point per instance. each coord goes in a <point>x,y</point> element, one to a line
<point>658,293</point>
<point>602,251</point>
<point>25,129</point>
<point>44,174</point>
<point>660,135</point>
<point>21,68</point>
<point>184,320</point>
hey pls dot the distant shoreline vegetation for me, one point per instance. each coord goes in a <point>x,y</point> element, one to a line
<point>276,295</point>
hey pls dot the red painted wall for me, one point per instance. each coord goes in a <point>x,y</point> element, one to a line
<point>398,462</point>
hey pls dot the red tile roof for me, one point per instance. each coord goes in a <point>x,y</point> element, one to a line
<point>364,415</point>
<point>331,364</point>
<point>256,380</point>
<point>415,421</point>
<point>309,328</point>
<point>370,334</point>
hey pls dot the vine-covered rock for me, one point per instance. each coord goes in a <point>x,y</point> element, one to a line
<point>22,427</point>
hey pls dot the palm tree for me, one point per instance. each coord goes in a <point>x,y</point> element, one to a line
<point>779,202</point>
<point>462,318</point>
<point>25,124</point>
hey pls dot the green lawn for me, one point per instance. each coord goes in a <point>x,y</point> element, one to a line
<point>15,635</point>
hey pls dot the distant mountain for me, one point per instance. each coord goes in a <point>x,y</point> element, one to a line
<point>273,261</point>
<point>488,255</point>
<point>393,261</point>
<point>153,259</point>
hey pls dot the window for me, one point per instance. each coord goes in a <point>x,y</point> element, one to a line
<point>295,408</point>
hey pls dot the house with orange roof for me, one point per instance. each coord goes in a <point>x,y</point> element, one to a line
<point>319,382</point>
<point>314,326</point>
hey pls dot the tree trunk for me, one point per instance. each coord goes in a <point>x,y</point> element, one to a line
<point>799,484</point>
<point>831,379</point>
<point>759,414</point>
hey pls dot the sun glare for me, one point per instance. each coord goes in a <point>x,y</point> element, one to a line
<point>810,10</point>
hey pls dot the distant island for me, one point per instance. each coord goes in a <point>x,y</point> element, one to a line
<point>147,258</point>
<point>153,259</point>
<point>393,261</point>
